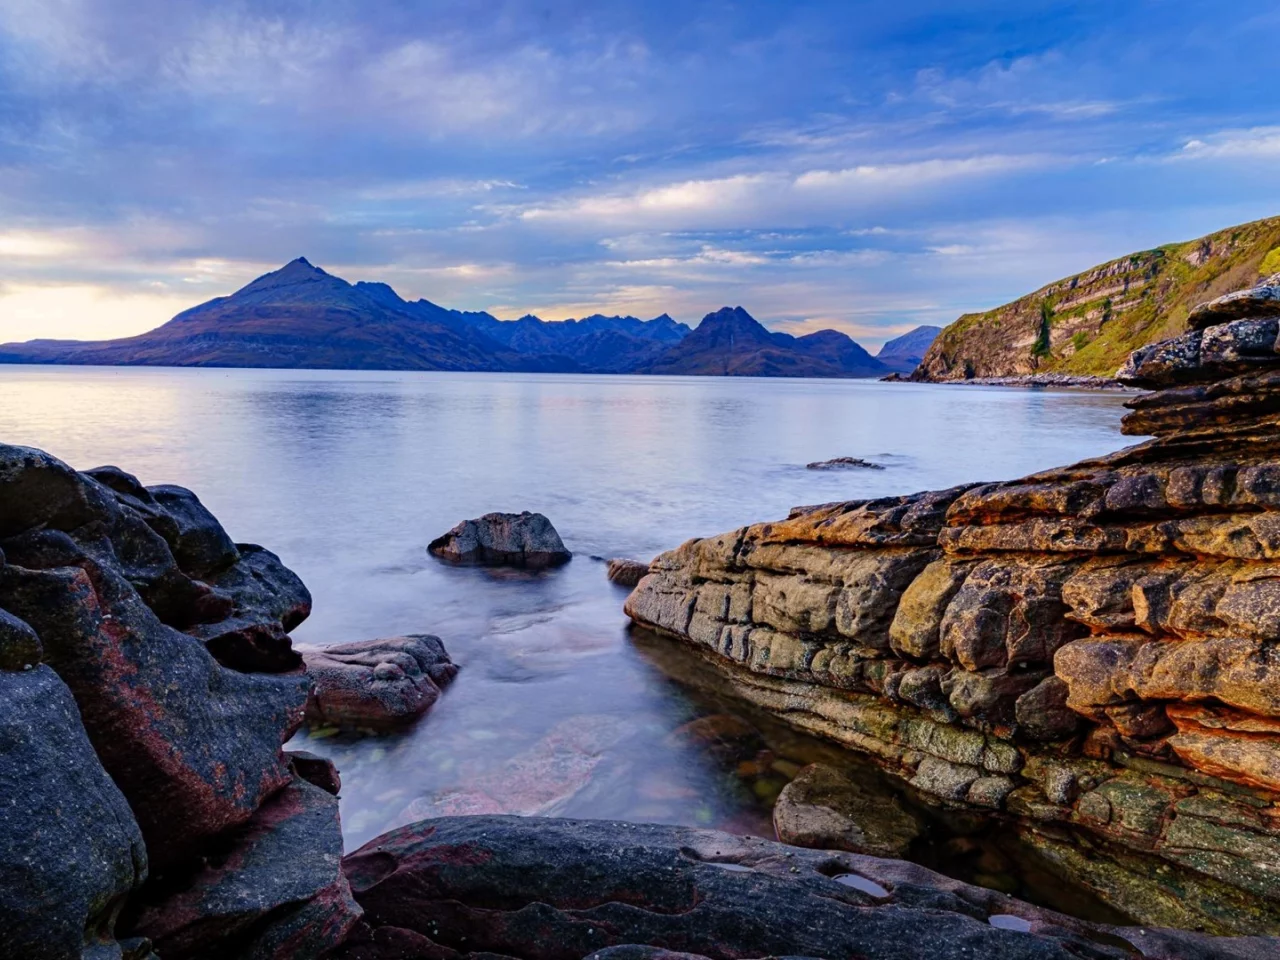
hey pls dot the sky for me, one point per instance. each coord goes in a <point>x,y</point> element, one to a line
<point>866,166</point>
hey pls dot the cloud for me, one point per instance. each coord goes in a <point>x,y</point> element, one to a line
<point>81,311</point>
<point>1258,143</point>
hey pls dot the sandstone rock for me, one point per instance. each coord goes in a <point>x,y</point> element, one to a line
<point>503,539</point>
<point>275,892</point>
<point>377,684</point>
<point>70,849</point>
<point>627,573</point>
<point>824,809</point>
<point>316,770</point>
<point>568,888</point>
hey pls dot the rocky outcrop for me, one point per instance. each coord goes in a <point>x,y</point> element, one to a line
<point>376,684</point>
<point>844,463</point>
<point>564,889</point>
<point>148,684</point>
<point>503,540</point>
<point>626,573</point>
<point>1089,323</point>
<point>1090,653</point>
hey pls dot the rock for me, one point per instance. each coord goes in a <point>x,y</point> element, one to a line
<point>276,890</point>
<point>843,463</point>
<point>376,684</point>
<point>1118,615</point>
<point>93,568</point>
<point>20,647</point>
<point>316,770</point>
<point>568,888</point>
<point>70,849</point>
<point>1260,301</point>
<point>627,573</point>
<point>503,539</point>
<point>824,809</point>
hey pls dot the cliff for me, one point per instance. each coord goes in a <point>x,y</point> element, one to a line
<point>1090,655</point>
<point>1090,322</point>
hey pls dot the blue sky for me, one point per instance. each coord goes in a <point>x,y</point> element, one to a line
<point>865,166</point>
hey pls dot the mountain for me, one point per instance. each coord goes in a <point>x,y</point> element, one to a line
<point>730,342</point>
<point>903,354</point>
<point>1090,322</point>
<point>301,316</point>
<point>297,316</point>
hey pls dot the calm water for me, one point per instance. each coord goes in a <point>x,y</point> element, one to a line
<point>557,709</point>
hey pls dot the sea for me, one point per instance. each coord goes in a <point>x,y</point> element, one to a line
<point>558,708</point>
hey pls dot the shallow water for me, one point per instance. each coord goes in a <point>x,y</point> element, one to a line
<point>557,709</point>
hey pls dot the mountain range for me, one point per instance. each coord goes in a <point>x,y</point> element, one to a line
<point>301,316</point>
<point>1090,322</point>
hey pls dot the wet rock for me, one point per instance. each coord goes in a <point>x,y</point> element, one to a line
<point>844,463</point>
<point>273,891</point>
<point>376,684</point>
<point>503,539</point>
<point>568,888</point>
<point>827,810</point>
<point>539,782</point>
<point>70,849</point>
<point>627,573</point>
<point>316,770</point>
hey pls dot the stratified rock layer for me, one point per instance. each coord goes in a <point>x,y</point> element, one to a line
<point>1092,652</point>
<point>565,889</point>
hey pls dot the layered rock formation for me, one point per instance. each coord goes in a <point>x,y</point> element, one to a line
<point>148,683</point>
<point>1090,653</point>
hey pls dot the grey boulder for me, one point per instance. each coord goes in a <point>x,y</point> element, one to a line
<point>503,540</point>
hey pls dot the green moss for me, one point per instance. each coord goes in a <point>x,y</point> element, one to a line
<point>1270,263</point>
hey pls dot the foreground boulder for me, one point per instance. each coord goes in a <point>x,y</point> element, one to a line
<point>1088,654</point>
<point>276,884</point>
<point>376,684</point>
<point>565,889</point>
<point>70,849</point>
<point>147,684</point>
<point>503,540</point>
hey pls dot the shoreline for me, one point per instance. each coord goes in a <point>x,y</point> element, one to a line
<point>1061,380</point>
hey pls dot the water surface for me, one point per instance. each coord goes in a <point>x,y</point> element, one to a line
<point>557,709</point>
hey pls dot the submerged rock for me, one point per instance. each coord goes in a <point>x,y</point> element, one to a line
<point>551,889</point>
<point>844,463</point>
<point>824,809</point>
<point>627,573</point>
<point>503,539</point>
<point>1089,651</point>
<point>377,684</point>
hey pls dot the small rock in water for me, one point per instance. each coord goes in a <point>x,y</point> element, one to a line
<point>377,684</point>
<point>503,540</point>
<point>823,809</point>
<point>843,463</point>
<point>627,573</point>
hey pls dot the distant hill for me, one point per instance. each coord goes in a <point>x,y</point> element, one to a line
<point>301,316</point>
<point>903,354</point>
<point>731,343</point>
<point>1089,323</point>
